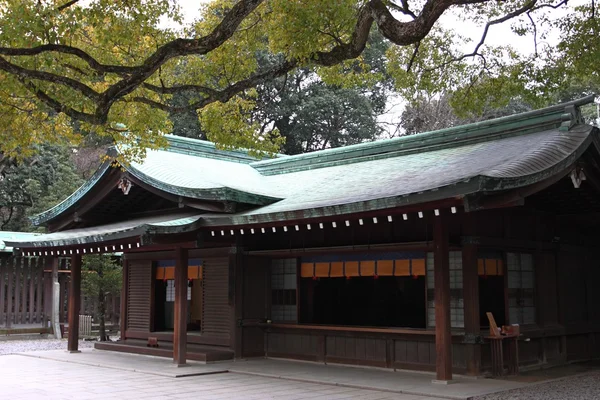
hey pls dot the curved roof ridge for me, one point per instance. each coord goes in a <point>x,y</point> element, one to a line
<point>561,115</point>
<point>204,148</point>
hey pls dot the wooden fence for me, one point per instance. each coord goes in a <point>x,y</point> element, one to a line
<point>23,290</point>
<point>26,293</point>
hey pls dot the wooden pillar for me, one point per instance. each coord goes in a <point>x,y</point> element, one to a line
<point>471,297</point>
<point>74,304</point>
<point>441,272</point>
<point>180,314</point>
<point>125,285</point>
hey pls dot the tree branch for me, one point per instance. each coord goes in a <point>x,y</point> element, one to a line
<point>25,73</point>
<point>67,5</point>
<point>133,77</point>
<point>520,11</point>
<point>64,49</point>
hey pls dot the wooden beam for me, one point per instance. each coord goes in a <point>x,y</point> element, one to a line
<point>74,304</point>
<point>471,298</point>
<point>180,314</point>
<point>443,337</point>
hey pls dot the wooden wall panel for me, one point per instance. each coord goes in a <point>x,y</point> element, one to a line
<point>414,352</point>
<point>292,345</point>
<point>578,347</point>
<point>353,348</point>
<point>216,311</point>
<point>546,283</point>
<point>572,294</point>
<point>255,296</point>
<point>139,291</point>
<point>530,352</point>
<point>552,349</point>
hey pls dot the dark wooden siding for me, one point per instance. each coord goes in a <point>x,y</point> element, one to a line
<point>216,311</point>
<point>138,295</point>
<point>256,296</point>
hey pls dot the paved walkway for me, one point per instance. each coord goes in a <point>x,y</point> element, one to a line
<point>29,378</point>
<point>295,374</point>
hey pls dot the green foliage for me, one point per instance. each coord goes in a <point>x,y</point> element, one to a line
<point>101,276</point>
<point>325,37</point>
<point>35,184</point>
<point>317,108</point>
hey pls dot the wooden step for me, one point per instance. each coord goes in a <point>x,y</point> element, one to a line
<point>165,349</point>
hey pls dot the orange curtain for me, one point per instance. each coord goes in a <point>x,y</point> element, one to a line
<point>168,273</point>
<point>352,268</point>
<point>339,269</point>
<point>385,267</point>
<point>490,266</point>
<point>307,270</point>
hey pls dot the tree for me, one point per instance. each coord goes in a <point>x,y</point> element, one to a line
<point>102,276</point>
<point>434,113</point>
<point>35,184</point>
<point>313,113</point>
<point>108,66</point>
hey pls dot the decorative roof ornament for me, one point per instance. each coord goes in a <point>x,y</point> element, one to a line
<point>577,176</point>
<point>125,185</point>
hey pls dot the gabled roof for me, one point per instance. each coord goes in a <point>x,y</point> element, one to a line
<point>484,157</point>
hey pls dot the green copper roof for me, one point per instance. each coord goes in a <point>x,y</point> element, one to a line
<point>122,230</point>
<point>7,236</point>
<point>488,156</point>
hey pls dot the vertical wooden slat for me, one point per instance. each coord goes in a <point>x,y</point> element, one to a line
<point>124,298</point>
<point>443,337</point>
<point>32,275</point>
<point>48,289</point>
<point>2,291</point>
<point>10,268</point>
<point>17,295</point>
<point>61,300</point>
<point>180,320</point>
<point>39,291</point>
<point>25,289</point>
<point>74,303</point>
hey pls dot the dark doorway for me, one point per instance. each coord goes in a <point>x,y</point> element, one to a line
<point>491,299</point>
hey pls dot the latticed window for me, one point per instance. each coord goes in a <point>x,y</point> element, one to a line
<point>457,311</point>
<point>283,290</point>
<point>521,304</point>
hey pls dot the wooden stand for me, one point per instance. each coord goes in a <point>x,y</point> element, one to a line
<point>497,343</point>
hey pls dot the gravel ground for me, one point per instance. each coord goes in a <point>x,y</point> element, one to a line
<point>21,346</point>
<point>582,387</point>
